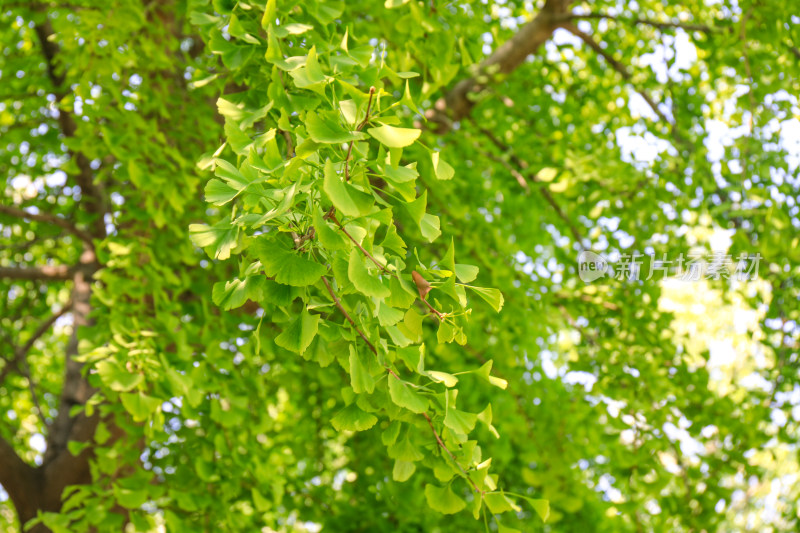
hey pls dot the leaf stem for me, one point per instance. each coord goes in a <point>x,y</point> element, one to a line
<point>358,128</point>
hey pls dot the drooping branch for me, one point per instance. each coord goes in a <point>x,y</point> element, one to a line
<point>46,218</point>
<point>459,101</point>
<point>616,65</point>
<point>442,445</point>
<point>392,373</point>
<point>636,21</point>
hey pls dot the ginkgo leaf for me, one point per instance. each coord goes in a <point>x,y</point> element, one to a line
<point>323,129</point>
<point>118,378</point>
<point>365,281</point>
<point>441,168</point>
<point>449,380</point>
<point>466,273</point>
<point>403,470</point>
<point>234,293</point>
<point>338,193</point>
<point>139,405</point>
<point>352,418</point>
<point>404,396</point>
<point>221,237</point>
<point>443,499</point>
<point>498,502</point>
<point>360,378</point>
<point>311,74</point>
<point>285,265</point>
<point>329,237</point>
<point>298,336</point>
<point>219,193</point>
<point>404,450</point>
<point>542,507</point>
<point>492,296</point>
<point>485,372</point>
<point>395,137</point>
<point>460,421</point>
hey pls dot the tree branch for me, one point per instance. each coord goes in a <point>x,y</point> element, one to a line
<point>458,103</point>
<point>15,474</point>
<point>638,21</point>
<point>47,218</point>
<point>616,65</point>
<point>449,453</point>
<point>358,245</point>
<point>45,273</point>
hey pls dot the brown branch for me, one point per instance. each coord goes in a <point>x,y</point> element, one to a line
<point>47,218</point>
<point>338,303</point>
<point>459,101</point>
<point>638,21</point>
<point>369,255</point>
<point>379,265</point>
<point>616,65</point>
<point>289,144</point>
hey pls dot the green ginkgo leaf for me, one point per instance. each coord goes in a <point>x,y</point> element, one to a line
<point>366,282</point>
<point>403,395</point>
<point>298,336</point>
<point>352,418</point>
<point>395,137</point>
<point>285,265</point>
<point>326,129</point>
<point>443,499</point>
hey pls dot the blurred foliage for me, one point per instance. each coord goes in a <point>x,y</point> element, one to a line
<point>317,308</point>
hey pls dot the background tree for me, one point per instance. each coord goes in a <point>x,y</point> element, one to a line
<point>369,317</point>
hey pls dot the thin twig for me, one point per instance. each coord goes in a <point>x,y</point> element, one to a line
<point>358,128</point>
<point>289,145</point>
<point>365,252</point>
<point>453,457</point>
<point>616,65</point>
<point>638,21</point>
<point>338,303</point>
